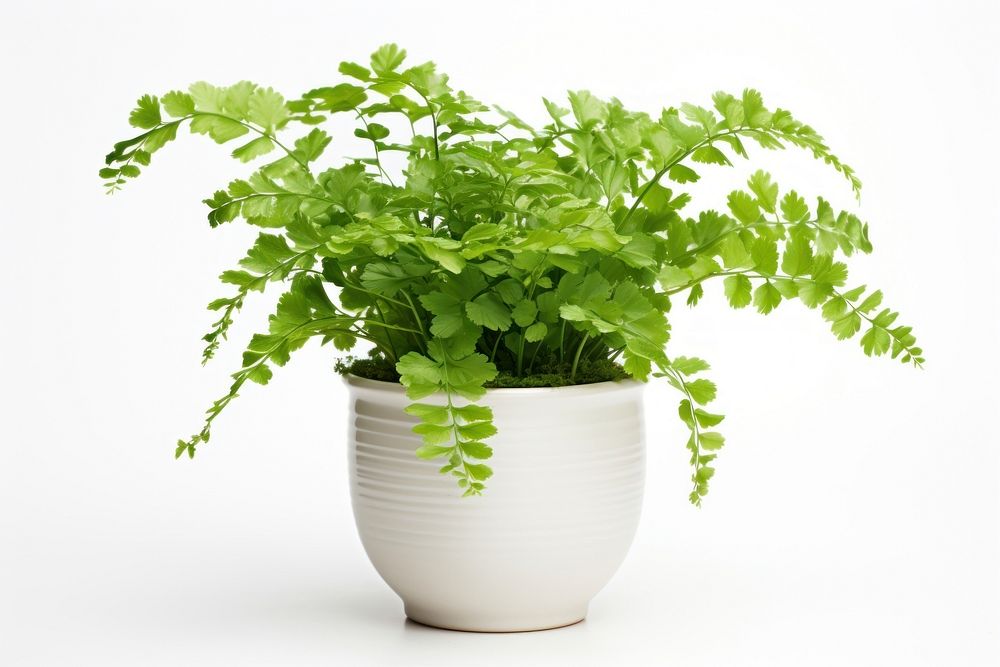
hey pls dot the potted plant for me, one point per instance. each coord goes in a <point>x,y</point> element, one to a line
<point>512,285</point>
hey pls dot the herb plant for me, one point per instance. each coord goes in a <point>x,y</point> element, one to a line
<point>504,249</point>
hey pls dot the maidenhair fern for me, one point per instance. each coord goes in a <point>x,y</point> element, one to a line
<point>502,247</point>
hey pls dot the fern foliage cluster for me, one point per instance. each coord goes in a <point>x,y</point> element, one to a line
<point>502,247</point>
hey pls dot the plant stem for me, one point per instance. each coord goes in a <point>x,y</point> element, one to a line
<point>378,159</point>
<point>388,333</point>
<point>419,320</point>
<point>562,338</point>
<point>434,122</point>
<point>496,343</point>
<point>534,355</point>
<point>576,359</point>
<point>520,354</point>
<point>257,130</point>
<point>659,174</point>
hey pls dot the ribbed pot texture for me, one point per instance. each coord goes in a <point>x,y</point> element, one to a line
<point>553,525</point>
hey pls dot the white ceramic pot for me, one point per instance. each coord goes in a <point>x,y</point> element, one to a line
<point>553,525</point>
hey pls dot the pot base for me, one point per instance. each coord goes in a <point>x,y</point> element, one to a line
<point>463,622</point>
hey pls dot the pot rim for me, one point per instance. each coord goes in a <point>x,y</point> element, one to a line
<point>607,386</point>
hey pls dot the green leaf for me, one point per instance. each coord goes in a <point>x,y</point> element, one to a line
<point>588,110</point>
<point>788,288</point>
<point>342,97</point>
<point>730,108</point>
<point>813,292</point>
<point>416,369</point>
<point>555,111</point>
<point>479,471</point>
<point>827,271</point>
<point>476,450</point>
<point>377,131</point>
<point>704,474</point>
<point>847,326</point>
<point>793,207</point>
<point>483,231</point>
<point>764,253</point>
<point>764,189</point>
<point>256,148</point>
<point>689,365</point>
<point>524,313</point>
<point>876,341</point>
<point>662,147</point>
<point>178,104</point>
<point>885,318</point>
<point>574,313</point>
<point>434,434</point>
<point>220,129</point>
<point>753,109</point>
<point>702,391</point>
<point>447,325</point>
<point>639,252</point>
<point>472,412</point>
<point>707,419</point>
<point>260,374</point>
<point>310,147</point>
<point>682,174</point>
<point>695,295</point>
<point>536,332</point>
<point>207,97</point>
<point>699,115</point>
<point>871,302</point>
<point>744,207</point>
<point>734,142</point>
<point>267,109</point>
<point>146,113</point>
<point>834,309</point>
<point>159,137</point>
<point>432,414</point>
<point>387,278</point>
<point>712,441</point>
<point>710,155</point>
<point>738,290</point>
<point>853,294</point>
<point>489,311</point>
<point>511,291</point>
<point>449,259</point>
<point>477,431</point>
<point>766,298</point>
<point>733,252</point>
<point>387,58</point>
<point>797,259</point>
<point>354,70</point>
<point>429,452</point>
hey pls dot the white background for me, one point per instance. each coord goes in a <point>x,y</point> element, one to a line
<point>854,517</point>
